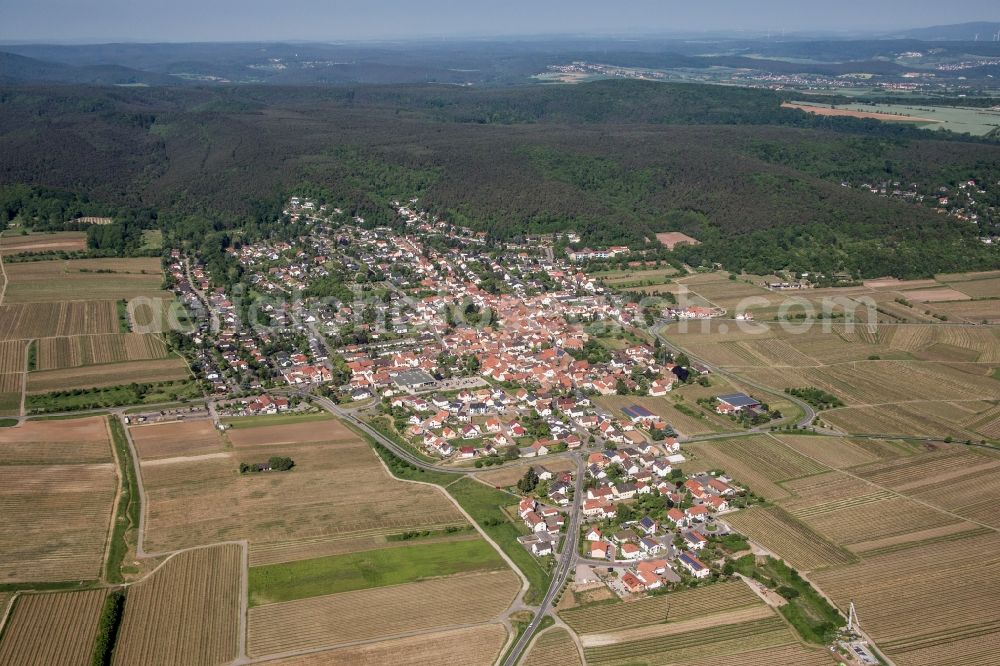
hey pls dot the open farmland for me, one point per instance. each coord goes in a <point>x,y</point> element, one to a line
<point>72,352</point>
<point>984,288</point>
<point>52,628</point>
<point>779,532</point>
<point>115,374</point>
<point>78,279</point>
<point>553,646</point>
<point>186,612</point>
<point>176,438</point>
<point>56,509</point>
<point>295,432</point>
<point>55,241</point>
<point>301,513</point>
<point>42,320</point>
<point>930,604</point>
<point>758,461</point>
<point>963,482</point>
<point>83,440</point>
<point>839,452</point>
<point>13,354</point>
<point>476,646</point>
<point>380,612</point>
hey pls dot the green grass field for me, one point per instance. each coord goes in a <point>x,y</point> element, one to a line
<point>484,505</point>
<point>241,422</point>
<point>376,568</point>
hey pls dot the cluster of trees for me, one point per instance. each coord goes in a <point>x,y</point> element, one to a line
<point>818,398</point>
<point>273,464</point>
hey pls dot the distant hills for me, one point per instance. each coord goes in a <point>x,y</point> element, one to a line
<point>20,69</point>
<point>965,32</point>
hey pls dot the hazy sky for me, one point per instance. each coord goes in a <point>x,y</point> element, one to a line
<point>233,20</point>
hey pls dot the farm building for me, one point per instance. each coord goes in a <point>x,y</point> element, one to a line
<point>735,402</point>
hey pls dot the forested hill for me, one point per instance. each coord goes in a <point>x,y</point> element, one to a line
<point>614,160</point>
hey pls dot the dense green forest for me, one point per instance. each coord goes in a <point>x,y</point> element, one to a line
<point>616,161</point>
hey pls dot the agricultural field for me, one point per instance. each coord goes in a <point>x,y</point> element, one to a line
<point>418,561</point>
<point>72,352</point>
<point>57,487</point>
<point>959,578</point>
<point>840,453</point>
<point>83,440</point>
<point>553,646</point>
<point>337,490</point>
<point>80,279</point>
<point>13,355</point>
<point>175,439</point>
<point>382,612</point>
<point>53,241</point>
<point>52,628</point>
<point>41,320</point>
<point>476,646</point>
<point>719,623</point>
<point>982,288</point>
<point>912,380</point>
<point>298,430</point>
<point>963,482</point>
<point>759,461</point>
<point>116,374</point>
<point>186,612</point>
<point>779,532</point>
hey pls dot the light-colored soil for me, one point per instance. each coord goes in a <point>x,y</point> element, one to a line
<point>176,439</point>
<point>366,614</point>
<point>672,239</point>
<point>295,433</point>
<point>656,630</point>
<point>935,295</point>
<point>826,111</point>
<point>475,646</point>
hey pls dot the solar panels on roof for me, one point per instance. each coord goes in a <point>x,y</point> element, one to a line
<point>738,400</point>
<point>637,412</point>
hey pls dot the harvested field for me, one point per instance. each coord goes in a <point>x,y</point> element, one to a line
<point>71,352</point>
<point>553,646</point>
<point>58,241</point>
<point>42,320</point>
<point>719,643</point>
<point>935,295</point>
<point>706,622</point>
<point>328,430</point>
<point>826,111</point>
<point>963,482</point>
<point>974,312</point>
<point>56,514</point>
<point>508,475</point>
<point>108,375</point>
<point>204,501</point>
<point>39,281</point>
<point>83,440</point>
<point>847,511</point>
<point>379,612</point>
<point>475,646</point>
<point>177,438</point>
<point>836,452</point>
<point>672,239</point>
<point>185,612</point>
<point>980,288</point>
<point>680,606</point>
<point>790,539</point>
<point>52,628</point>
<point>892,589</point>
<point>13,354</point>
